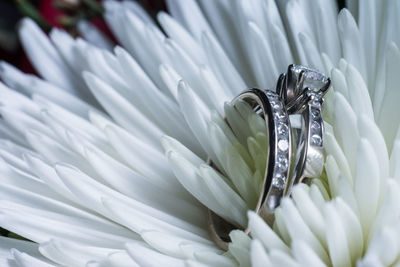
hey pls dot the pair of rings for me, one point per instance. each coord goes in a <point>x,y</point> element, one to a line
<point>295,154</point>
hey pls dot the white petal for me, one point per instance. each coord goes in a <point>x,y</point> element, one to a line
<point>147,218</point>
<point>389,211</point>
<point>261,53</point>
<point>7,244</point>
<point>336,237</point>
<point>122,111</point>
<point>46,58</point>
<point>305,255</point>
<point>352,229</point>
<point>311,53</point>
<point>228,75</point>
<point>366,184</point>
<point>309,211</point>
<point>188,13</point>
<point>387,122</point>
<point>300,230</point>
<point>259,257</point>
<point>73,254</point>
<point>171,245</point>
<point>213,259</point>
<point>345,127</point>
<point>279,258</point>
<point>93,35</point>
<point>182,37</point>
<point>385,246</point>
<point>262,232</point>
<point>352,48</point>
<point>25,260</point>
<point>359,97</point>
<point>138,187</point>
<point>145,256</point>
<point>332,148</point>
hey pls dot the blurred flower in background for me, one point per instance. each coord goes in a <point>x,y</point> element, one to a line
<point>9,17</point>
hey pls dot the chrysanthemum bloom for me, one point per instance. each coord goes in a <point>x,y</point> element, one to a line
<point>103,157</point>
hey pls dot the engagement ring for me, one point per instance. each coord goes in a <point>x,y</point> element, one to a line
<point>294,154</point>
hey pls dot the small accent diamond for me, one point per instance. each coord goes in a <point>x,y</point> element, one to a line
<point>279,181</point>
<point>315,126</point>
<point>317,103</point>
<point>282,129</point>
<point>315,113</point>
<point>271,95</point>
<point>282,163</point>
<point>279,115</point>
<point>276,104</point>
<point>283,145</point>
<point>316,140</point>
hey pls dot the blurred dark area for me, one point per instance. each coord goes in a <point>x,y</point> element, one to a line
<point>51,13</point>
<point>9,16</point>
<point>55,13</point>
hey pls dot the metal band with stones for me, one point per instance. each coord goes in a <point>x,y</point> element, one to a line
<point>269,105</point>
<point>307,88</point>
<point>299,91</point>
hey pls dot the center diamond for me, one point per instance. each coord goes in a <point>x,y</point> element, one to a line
<point>314,79</point>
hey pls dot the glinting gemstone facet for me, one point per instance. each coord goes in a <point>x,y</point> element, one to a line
<point>314,79</point>
<point>280,116</point>
<point>283,145</point>
<point>316,126</point>
<point>316,140</point>
<point>282,129</point>
<point>279,181</point>
<point>315,113</point>
<point>276,104</point>
<point>271,94</point>
<point>282,163</point>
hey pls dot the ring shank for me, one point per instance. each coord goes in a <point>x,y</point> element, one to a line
<point>262,103</point>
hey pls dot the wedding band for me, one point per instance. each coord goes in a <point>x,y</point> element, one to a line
<point>299,91</point>
<point>268,105</point>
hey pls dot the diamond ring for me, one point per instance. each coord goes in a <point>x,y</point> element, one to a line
<point>295,154</point>
<point>302,90</point>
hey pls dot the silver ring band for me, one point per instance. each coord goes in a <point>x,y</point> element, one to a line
<point>268,105</point>
<point>272,109</point>
<point>295,94</point>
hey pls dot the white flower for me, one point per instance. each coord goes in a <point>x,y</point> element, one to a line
<point>102,160</point>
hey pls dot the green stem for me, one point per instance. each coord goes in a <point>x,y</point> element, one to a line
<point>3,232</point>
<point>93,5</point>
<point>29,10</point>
